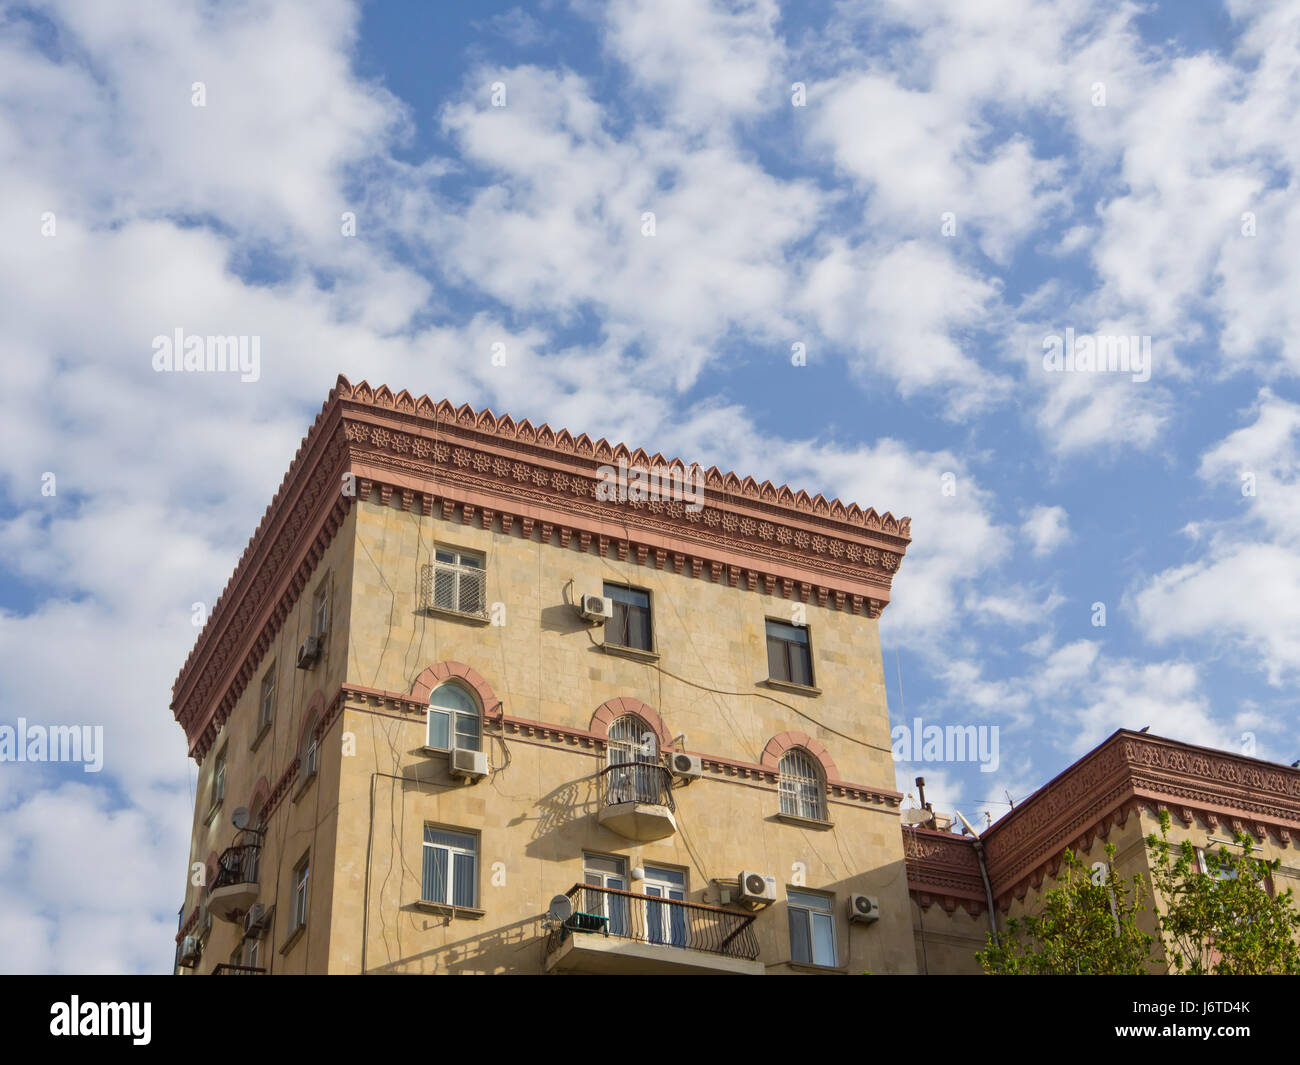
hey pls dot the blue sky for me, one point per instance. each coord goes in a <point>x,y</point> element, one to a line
<point>1103,169</point>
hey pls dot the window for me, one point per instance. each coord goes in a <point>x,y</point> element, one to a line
<point>665,924</point>
<point>219,779</point>
<point>799,778</point>
<point>311,752</point>
<point>454,719</point>
<point>301,875</point>
<point>266,701</point>
<point>250,957</point>
<point>608,874</point>
<point>633,746</point>
<point>630,625</point>
<point>812,928</point>
<point>789,656</point>
<point>320,609</point>
<point>450,867</point>
<point>455,581</point>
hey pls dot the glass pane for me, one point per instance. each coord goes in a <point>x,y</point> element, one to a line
<point>628,596</point>
<point>454,697</point>
<point>472,561</point>
<point>667,876</point>
<point>823,939</point>
<point>638,628</point>
<point>444,838</point>
<point>444,588</point>
<point>776,667</point>
<point>444,556</point>
<point>435,873</point>
<point>439,729</point>
<point>463,888</point>
<point>789,633</point>
<point>800,664</point>
<point>599,863</point>
<point>467,731</point>
<point>807,900</point>
<point>800,943</point>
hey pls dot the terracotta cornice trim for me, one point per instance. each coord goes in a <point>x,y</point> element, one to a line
<point>721,766</point>
<point>941,864</point>
<point>1125,771</point>
<point>612,709</point>
<point>510,472</point>
<point>440,672</point>
<point>778,745</point>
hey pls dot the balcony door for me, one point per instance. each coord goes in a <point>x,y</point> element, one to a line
<point>665,923</point>
<point>632,746</point>
<point>606,873</point>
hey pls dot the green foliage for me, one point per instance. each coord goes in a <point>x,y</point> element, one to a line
<point>1222,922</point>
<point>1082,927</point>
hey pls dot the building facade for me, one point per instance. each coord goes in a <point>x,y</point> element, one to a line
<point>485,697</point>
<point>1114,794</point>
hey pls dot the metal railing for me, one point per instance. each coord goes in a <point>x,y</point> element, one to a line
<point>238,864</point>
<point>226,969</point>
<point>659,921</point>
<point>644,782</point>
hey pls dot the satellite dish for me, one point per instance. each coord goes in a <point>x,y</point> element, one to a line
<point>560,909</point>
<point>914,815</point>
<point>240,818</point>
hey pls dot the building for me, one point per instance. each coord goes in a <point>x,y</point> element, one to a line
<point>1113,794</point>
<point>467,665</point>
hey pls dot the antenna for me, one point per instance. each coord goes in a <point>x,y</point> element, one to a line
<point>1010,800</point>
<point>240,818</point>
<point>560,909</point>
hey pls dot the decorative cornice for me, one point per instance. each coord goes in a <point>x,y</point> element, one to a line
<point>538,480</point>
<point>942,866</point>
<point>1127,771</point>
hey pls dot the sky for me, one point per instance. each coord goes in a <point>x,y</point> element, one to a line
<point>918,195</point>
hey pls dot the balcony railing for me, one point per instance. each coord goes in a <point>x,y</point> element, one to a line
<point>669,923</point>
<point>640,782</point>
<point>238,864</point>
<point>226,969</point>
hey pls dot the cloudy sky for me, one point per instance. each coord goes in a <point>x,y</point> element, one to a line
<point>919,192</point>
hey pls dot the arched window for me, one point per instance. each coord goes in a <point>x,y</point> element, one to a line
<point>632,743</point>
<point>454,718</point>
<point>803,791</point>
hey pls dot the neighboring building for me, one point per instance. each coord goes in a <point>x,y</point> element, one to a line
<point>1113,794</point>
<point>428,743</point>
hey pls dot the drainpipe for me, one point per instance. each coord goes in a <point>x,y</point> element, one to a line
<point>984,872</point>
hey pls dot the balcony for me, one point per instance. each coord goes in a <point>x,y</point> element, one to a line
<point>235,888</point>
<point>614,931</point>
<point>225,969</point>
<point>636,801</point>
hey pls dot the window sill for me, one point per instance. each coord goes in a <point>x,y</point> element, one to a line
<point>457,615</point>
<point>303,786</point>
<point>810,967</point>
<point>260,736</point>
<point>790,686</point>
<point>468,913</point>
<point>630,652</point>
<point>806,822</point>
<point>294,936</point>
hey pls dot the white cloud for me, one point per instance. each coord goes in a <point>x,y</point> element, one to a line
<point>1046,528</point>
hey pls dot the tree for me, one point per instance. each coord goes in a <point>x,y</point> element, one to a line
<point>1223,921</point>
<point>1086,924</point>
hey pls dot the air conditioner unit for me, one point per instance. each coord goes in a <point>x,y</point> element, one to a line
<point>255,920</point>
<point>864,908</point>
<point>191,948</point>
<point>686,766</point>
<point>596,608</point>
<point>755,887</point>
<point>309,652</point>
<point>472,765</point>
